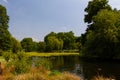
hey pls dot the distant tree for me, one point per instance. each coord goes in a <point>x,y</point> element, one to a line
<point>27,44</point>
<point>78,43</point>
<point>65,40</point>
<point>52,43</point>
<point>35,46</point>
<point>16,46</point>
<point>50,34</point>
<point>68,39</point>
<point>41,46</point>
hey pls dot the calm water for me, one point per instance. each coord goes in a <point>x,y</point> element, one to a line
<point>87,69</point>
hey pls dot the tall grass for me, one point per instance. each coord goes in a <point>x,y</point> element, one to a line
<point>38,74</point>
<point>103,78</point>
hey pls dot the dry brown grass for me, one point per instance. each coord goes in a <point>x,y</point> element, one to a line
<point>64,76</point>
<point>103,78</point>
<point>41,73</point>
<point>37,74</point>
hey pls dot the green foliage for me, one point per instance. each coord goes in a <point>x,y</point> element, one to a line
<point>5,39</point>
<point>7,55</point>
<point>104,40</point>
<point>1,52</point>
<point>16,46</point>
<point>53,43</point>
<point>4,18</point>
<point>41,47</point>
<point>61,41</point>
<point>27,44</point>
<point>5,36</point>
<point>94,6</point>
<point>19,63</point>
<point>54,72</point>
<point>68,39</point>
<point>50,34</point>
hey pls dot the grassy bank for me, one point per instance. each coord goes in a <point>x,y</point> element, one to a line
<point>49,54</point>
<point>41,73</point>
<point>36,73</point>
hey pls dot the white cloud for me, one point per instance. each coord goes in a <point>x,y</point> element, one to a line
<point>5,1</point>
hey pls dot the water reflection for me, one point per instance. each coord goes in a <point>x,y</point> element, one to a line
<point>86,69</point>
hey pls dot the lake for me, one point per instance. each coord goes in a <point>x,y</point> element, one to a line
<point>86,68</point>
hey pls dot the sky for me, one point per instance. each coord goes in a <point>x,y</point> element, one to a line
<point>37,18</point>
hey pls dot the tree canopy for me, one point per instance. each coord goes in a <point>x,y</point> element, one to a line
<point>94,6</point>
<point>5,36</point>
<point>103,39</point>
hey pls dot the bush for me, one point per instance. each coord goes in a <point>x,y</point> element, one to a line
<point>1,52</point>
<point>54,72</point>
<point>7,55</point>
<point>19,63</point>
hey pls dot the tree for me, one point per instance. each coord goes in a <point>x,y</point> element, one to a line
<point>94,6</point>
<point>27,44</point>
<point>5,36</point>
<point>41,46</point>
<point>4,18</point>
<point>52,43</point>
<point>65,40</point>
<point>68,39</point>
<point>16,46</point>
<point>50,34</point>
<point>104,40</point>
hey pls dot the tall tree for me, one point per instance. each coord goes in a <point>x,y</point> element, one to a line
<point>104,40</point>
<point>5,36</point>
<point>4,18</point>
<point>94,6</point>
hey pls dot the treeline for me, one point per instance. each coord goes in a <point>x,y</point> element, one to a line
<point>53,42</point>
<point>101,39</point>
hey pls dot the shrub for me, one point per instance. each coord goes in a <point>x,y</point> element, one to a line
<point>19,63</point>
<point>7,55</point>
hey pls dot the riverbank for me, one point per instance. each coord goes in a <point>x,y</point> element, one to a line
<point>41,73</point>
<point>50,54</point>
<point>47,74</point>
<point>37,74</point>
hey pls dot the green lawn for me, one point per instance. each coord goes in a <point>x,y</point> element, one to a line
<point>49,54</point>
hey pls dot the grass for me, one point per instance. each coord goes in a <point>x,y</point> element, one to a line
<point>38,74</point>
<point>41,73</point>
<point>49,54</point>
<point>102,78</point>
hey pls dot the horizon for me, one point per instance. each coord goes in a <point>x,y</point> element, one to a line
<point>38,18</point>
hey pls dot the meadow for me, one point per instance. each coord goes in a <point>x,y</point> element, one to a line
<point>50,54</point>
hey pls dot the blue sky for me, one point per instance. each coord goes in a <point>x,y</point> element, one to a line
<point>37,18</point>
